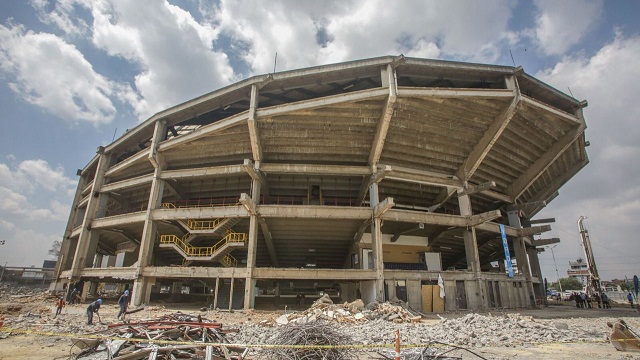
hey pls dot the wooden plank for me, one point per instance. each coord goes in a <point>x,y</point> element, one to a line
<point>438,302</point>
<point>427,298</point>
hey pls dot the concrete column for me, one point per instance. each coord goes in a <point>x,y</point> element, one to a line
<point>65,258</point>
<point>534,261</point>
<point>376,245</point>
<point>249,289</point>
<point>231,294</point>
<point>521,254</point>
<point>85,251</point>
<point>176,290</point>
<point>98,261</point>
<point>140,287</point>
<point>111,261</point>
<point>215,295</point>
<point>469,234</point>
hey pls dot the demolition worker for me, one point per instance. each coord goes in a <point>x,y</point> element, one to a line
<point>93,308</point>
<point>123,301</point>
<point>59,305</point>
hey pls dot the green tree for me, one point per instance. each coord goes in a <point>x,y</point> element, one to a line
<point>55,249</point>
<point>568,283</point>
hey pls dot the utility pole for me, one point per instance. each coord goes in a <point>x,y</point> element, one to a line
<point>557,274</point>
<point>593,282</point>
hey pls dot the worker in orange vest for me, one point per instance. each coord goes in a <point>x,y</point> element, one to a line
<point>59,305</point>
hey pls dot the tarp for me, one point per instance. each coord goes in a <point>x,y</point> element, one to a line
<point>441,285</point>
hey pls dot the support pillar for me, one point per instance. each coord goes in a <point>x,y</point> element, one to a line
<point>176,290</point>
<point>98,261</point>
<point>537,272</point>
<point>249,288</point>
<point>111,261</point>
<point>376,244</point>
<point>67,251</point>
<point>231,294</point>
<point>472,255</point>
<point>87,241</point>
<point>215,295</point>
<point>140,285</point>
<point>521,254</point>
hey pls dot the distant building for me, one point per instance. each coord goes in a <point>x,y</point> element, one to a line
<point>579,270</point>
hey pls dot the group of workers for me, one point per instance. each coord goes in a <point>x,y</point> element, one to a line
<point>94,307</point>
<point>584,301</point>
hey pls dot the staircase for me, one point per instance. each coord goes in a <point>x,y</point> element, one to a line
<point>218,252</point>
<point>221,251</point>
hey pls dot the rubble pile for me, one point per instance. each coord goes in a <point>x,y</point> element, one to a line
<point>477,330</point>
<point>144,339</point>
<point>347,313</point>
<point>311,335</point>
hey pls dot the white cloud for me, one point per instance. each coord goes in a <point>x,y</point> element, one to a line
<point>350,30</point>
<point>562,24</point>
<point>34,247</point>
<point>606,190</point>
<point>46,71</point>
<point>61,15</point>
<point>174,51</point>
<point>7,225</point>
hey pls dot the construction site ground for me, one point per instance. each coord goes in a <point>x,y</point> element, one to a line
<point>35,311</point>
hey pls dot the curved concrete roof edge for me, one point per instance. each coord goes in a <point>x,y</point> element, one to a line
<point>283,75</point>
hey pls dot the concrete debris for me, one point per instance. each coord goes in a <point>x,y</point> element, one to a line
<point>352,312</point>
<point>136,340</point>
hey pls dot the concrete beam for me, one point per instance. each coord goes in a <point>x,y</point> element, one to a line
<point>268,239</point>
<point>473,189</point>
<point>183,272</point>
<point>426,218</point>
<point>204,131</point>
<point>406,92</point>
<point>256,148</point>
<point>383,207</point>
<point>314,212</point>
<point>114,221</point>
<point>312,169</point>
<point>572,119</point>
<point>542,164</point>
<point>423,177</point>
<point>116,273</point>
<point>475,220</point>
<point>126,184</point>
<point>138,157</point>
<point>534,230</point>
<point>445,194</point>
<point>376,177</point>
<point>248,203</point>
<point>256,175</point>
<point>542,221</point>
<point>200,213</point>
<point>175,188</point>
<point>323,102</point>
<point>544,242</point>
<point>203,172</point>
<point>313,274</point>
<point>385,119</point>
<point>488,139</point>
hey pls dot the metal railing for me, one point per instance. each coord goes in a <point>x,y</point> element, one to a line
<point>205,251</point>
<point>204,224</point>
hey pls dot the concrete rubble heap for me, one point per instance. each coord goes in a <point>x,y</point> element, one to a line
<point>353,312</point>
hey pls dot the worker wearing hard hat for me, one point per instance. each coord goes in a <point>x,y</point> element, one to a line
<point>123,301</point>
<point>93,308</point>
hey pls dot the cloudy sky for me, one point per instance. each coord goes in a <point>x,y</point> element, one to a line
<point>74,74</point>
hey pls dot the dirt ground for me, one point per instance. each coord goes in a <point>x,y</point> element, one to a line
<point>36,314</point>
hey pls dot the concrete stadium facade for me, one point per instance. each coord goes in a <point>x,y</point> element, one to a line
<point>365,179</point>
